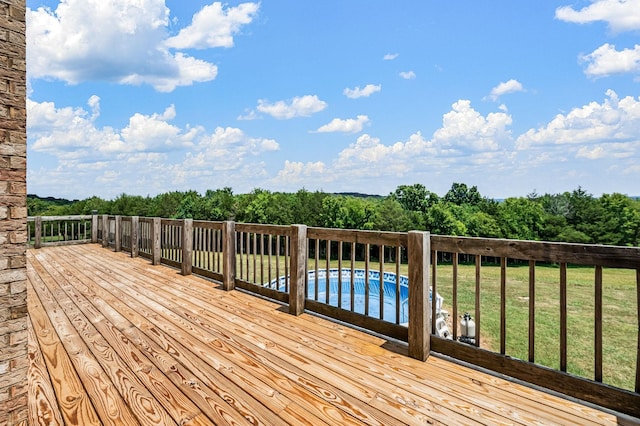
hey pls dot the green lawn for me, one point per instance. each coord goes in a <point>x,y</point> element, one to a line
<point>620,332</point>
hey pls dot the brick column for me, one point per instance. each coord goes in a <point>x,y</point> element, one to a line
<point>14,318</point>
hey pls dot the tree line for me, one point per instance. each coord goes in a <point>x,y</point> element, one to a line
<point>575,216</point>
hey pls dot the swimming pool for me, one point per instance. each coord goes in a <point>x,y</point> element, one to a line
<point>336,276</point>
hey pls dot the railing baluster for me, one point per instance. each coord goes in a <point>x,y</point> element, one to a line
<point>261,259</point>
<point>433,290</point>
<point>269,243</point>
<point>366,279</point>
<point>278,262</point>
<point>398,295</point>
<point>381,281</point>
<point>339,274</point>
<point>637,387</point>
<point>254,238</point>
<point>327,272</point>
<point>563,316</point>
<point>454,296</point>
<point>316,262</point>
<point>352,286</point>
<point>532,310</point>
<point>478,298</point>
<point>287,260</point>
<point>248,251</point>
<point>503,305</point>
<point>598,324</point>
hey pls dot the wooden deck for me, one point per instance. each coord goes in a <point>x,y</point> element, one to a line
<point>115,340</point>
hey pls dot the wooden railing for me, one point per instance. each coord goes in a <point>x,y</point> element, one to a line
<point>60,230</point>
<point>285,263</point>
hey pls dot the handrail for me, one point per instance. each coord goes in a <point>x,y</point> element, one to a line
<point>283,263</point>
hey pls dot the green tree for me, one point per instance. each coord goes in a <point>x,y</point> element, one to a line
<point>220,204</point>
<point>521,218</point>
<point>414,197</point>
<point>166,204</point>
<point>307,207</point>
<point>391,216</point>
<point>460,194</point>
<point>441,219</point>
<point>621,224</point>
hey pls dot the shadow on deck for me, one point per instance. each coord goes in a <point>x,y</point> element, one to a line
<point>115,340</point>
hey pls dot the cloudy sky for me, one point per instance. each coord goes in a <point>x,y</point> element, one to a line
<point>150,96</point>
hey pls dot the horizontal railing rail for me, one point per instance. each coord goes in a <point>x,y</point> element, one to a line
<point>524,297</point>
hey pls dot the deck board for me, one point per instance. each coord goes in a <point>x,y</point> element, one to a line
<point>122,341</point>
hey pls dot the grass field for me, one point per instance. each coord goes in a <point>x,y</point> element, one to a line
<point>620,330</point>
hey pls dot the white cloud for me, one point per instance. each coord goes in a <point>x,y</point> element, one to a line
<point>390,56</point>
<point>408,75</point>
<point>149,153</point>
<point>612,121</point>
<point>72,131</point>
<point>214,26</point>
<point>606,60</point>
<point>463,126</point>
<point>303,106</point>
<point>349,125</point>
<point>366,91</point>
<point>465,137</point>
<point>503,88</point>
<point>249,115</point>
<point>76,42</point>
<point>620,15</point>
<point>295,171</point>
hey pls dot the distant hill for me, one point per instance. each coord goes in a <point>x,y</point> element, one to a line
<point>358,195</point>
<point>52,200</point>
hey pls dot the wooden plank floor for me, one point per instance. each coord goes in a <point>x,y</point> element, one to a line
<point>115,340</point>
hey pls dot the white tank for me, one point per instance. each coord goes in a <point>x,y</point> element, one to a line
<point>467,326</point>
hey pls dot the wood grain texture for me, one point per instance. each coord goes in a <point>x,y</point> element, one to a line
<point>227,357</point>
<point>577,254</point>
<point>355,236</point>
<point>75,405</point>
<point>419,319</point>
<point>43,404</point>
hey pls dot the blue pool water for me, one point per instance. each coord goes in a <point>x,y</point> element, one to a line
<point>388,290</point>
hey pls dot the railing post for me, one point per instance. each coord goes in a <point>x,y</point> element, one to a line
<point>94,228</point>
<point>228,255</point>
<point>298,269</point>
<point>38,232</point>
<point>156,240</point>
<point>117,238</point>
<point>187,246</point>
<point>419,248</point>
<point>134,236</point>
<point>105,230</point>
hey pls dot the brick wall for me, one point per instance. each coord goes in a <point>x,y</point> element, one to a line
<point>14,362</point>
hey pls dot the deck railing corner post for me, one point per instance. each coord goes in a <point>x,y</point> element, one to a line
<point>105,230</point>
<point>38,232</point>
<point>298,269</point>
<point>94,228</point>
<point>419,248</point>
<point>156,249</point>
<point>229,255</point>
<point>135,220</point>
<point>187,246</point>
<point>117,237</point>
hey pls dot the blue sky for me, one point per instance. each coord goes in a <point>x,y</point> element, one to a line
<point>151,96</point>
